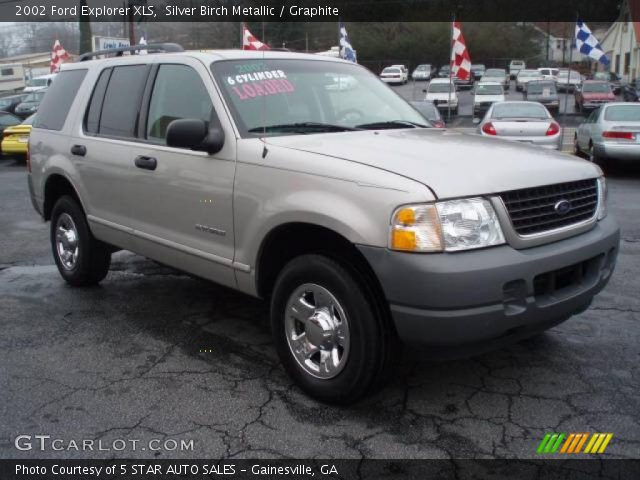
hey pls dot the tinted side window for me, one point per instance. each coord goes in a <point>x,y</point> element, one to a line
<point>178,92</point>
<point>122,101</point>
<point>92,118</point>
<point>55,105</point>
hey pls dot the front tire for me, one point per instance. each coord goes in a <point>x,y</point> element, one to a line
<point>81,259</point>
<point>332,338</point>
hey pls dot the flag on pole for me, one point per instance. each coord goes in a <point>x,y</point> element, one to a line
<point>588,45</point>
<point>346,50</point>
<point>58,55</point>
<point>249,42</point>
<point>460,59</point>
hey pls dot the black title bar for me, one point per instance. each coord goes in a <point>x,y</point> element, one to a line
<point>309,10</point>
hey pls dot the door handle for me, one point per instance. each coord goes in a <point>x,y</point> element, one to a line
<point>147,163</point>
<point>79,150</point>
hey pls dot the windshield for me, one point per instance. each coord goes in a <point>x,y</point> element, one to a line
<point>541,88</point>
<point>391,70</point>
<point>37,82</point>
<point>596,88</point>
<point>563,74</point>
<point>495,72</point>
<point>529,73</point>
<point>477,67</point>
<point>34,97</point>
<point>294,96</point>
<point>623,113</point>
<point>427,109</point>
<point>423,67</point>
<point>440,87</point>
<point>488,89</point>
<point>519,110</point>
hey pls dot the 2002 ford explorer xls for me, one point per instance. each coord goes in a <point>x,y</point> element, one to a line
<point>305,180</point>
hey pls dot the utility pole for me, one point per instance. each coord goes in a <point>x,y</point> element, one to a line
<point>85,33</point>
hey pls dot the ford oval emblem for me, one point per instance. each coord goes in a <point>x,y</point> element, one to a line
<point>562,207</point>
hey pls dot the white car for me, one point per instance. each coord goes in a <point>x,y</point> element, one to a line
<point>515,67</point>
<point>422,72</point>
<point>440,91</point>
<point>486,94</point>
<point>549,73</point>
<point>526,76</point>
<point>394,75</point>
<point>39,83</point>
<point>405,71</point>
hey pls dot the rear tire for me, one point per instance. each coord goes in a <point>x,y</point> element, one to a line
<point>576,148</point>
<point>330,334</point>
<point>593,157</point>
<point>81,259</point>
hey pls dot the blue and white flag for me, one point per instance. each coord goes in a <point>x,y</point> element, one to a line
<point>346,50</point>
<point>588,45</point>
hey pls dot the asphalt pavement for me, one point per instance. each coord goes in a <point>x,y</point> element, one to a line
<point>152,353</point>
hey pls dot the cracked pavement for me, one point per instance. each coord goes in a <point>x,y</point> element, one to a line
<point>155,354</point>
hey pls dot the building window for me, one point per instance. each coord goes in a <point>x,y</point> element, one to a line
<point>627,62</point>
<point>7,72</point>
<point>617,64</point>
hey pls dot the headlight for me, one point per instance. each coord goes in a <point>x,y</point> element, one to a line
<point>445,226</point>
<point>603,194</point>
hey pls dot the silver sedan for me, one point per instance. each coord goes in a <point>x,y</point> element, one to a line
<point>611,131</point>
<point>526,122</point>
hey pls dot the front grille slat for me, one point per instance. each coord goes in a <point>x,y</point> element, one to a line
<point>532,210</point>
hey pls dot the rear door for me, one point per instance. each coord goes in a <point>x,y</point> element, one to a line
<point>104,150</point>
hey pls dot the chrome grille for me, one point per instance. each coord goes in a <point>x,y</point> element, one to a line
<point>534,210</point>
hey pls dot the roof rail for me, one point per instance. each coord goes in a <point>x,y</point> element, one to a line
<point>118,52</point>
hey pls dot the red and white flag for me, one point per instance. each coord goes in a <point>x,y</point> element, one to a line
<point>249,42</point>
<point>58,55</point>
<point>460,59</point>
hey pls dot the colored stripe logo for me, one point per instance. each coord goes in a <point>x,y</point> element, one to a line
<point>573,443</point>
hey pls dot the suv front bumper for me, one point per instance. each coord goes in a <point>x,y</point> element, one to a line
<point>480,295</point>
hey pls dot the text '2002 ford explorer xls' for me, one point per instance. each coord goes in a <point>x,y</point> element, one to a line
<point>305,180</point>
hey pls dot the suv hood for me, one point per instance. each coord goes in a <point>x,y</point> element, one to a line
<point>452,164</point>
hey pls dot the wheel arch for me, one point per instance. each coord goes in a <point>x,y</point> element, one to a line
<point>290,240</point>
<point>57,185</point>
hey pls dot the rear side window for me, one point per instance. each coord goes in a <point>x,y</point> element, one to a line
<point>92,119</point>
<point>53,111</point>
<point>121,103</point>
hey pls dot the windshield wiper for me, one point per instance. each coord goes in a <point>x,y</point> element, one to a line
<point>391,124</point>
<point>304,127</point>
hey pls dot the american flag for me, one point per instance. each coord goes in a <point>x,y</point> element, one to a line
<point>58,55</point>
<point>249,42</point>
<point>460,59</point>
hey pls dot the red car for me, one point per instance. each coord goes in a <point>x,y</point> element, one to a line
<point>592,94</point>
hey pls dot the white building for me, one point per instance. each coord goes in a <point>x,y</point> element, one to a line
<point>620,42</point>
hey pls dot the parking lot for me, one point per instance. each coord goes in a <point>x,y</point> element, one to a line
<point>153,353</point>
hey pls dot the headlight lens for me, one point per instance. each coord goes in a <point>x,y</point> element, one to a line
<point>604,195</point>
<point>446,226</point>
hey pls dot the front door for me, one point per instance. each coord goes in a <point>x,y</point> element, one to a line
<point>184,198</point>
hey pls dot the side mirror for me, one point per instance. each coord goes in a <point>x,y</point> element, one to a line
<point>194,134</point>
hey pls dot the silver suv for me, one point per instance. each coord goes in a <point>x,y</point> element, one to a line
<point>306,181</point>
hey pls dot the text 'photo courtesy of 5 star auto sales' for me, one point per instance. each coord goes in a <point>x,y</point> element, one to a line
<point>340,239</point>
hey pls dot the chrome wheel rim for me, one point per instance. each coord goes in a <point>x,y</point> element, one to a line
<point>67,247</point>
<point>317,331</point>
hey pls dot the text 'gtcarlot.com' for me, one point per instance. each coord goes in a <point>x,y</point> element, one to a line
<point>45,443</point>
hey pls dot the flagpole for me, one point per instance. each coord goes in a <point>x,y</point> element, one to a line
<point>453,21</point>
<point>566,98</point>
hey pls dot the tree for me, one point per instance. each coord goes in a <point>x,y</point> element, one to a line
<point>85,32</point>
